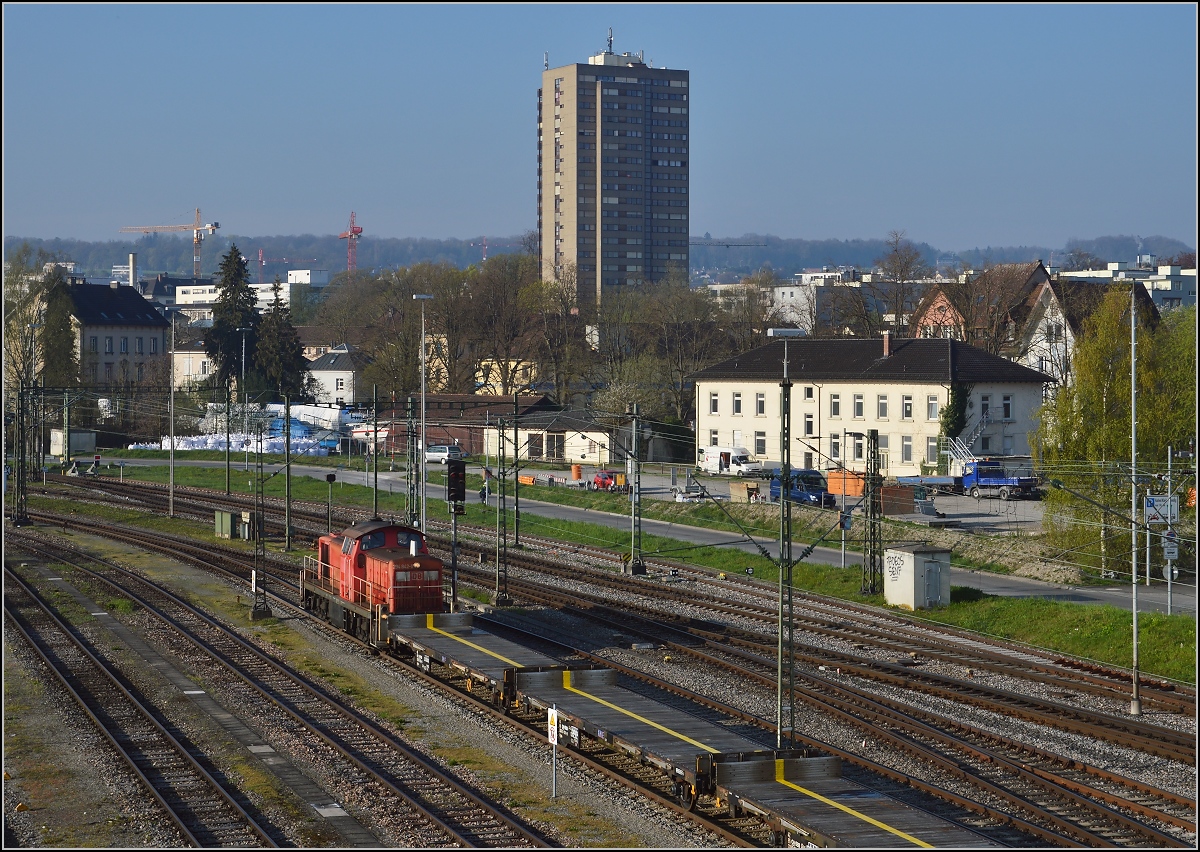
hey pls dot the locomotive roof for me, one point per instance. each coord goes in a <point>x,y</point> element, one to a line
<point>392,554</point>
<point>361,528</point>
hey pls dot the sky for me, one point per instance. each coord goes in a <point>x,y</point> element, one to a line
<point>962,125</point>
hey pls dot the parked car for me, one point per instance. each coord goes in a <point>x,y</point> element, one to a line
<point>442,453</point>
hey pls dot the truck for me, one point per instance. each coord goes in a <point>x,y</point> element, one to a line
<point>735,460</point>
<point>809,488</point>
<point>979,478</point>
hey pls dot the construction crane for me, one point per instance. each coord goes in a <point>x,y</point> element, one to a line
<point>483,242</point>
<point>196,228</point>
<point>263,261</point>
<point>351,234</point>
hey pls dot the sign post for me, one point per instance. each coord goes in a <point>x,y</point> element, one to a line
<point>1170,554</point>
<point>552,735</point>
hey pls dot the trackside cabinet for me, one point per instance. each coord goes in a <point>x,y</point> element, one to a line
<point>916,576</point>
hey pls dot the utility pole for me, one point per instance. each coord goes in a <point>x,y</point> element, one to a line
<point>375,450</point>
<point>410,476</point>
<point>500,597</point>
<point>872,580</point>
<point>785,659</point>
<point>636,564</point>
<point>1135,703</point>
<point>287,472</point>
<point>516,473</point>
<point>228,414</point>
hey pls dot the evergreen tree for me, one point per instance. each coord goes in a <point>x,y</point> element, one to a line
<point>279,358</point>
<point>233,311</point>
<point>60,360</point>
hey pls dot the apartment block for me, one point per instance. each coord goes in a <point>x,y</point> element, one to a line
<point>612,173</point>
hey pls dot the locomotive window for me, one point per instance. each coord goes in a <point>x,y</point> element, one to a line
<point>347,544</point>
<point>431,575</point>
<point>373,540</point>
<point>401,576</point>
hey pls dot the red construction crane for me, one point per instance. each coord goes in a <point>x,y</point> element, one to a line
<point>263,261</point>
<point>483,242</point>
<point>351,234</point>
<point>197,230</point>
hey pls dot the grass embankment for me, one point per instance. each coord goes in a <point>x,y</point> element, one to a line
<point>1166,644</point>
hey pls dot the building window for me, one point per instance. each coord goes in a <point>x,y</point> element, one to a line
<point>760,403</point>
<point>859,406</point>
<point>760,443</point>
<point>808,424</point>
<point>985,444</point>
<point>931,445</point>
<point>985,405</point>
<point>931,407</point>
<point>108,373</point>
<point>881,406</point>
<point>906,408</point>
<point>535,446</point>
<point>124,345</point>
<point>1006,406</point>
<point>712,403</point>
<point>94,345</point>
<point>883,452</point>
<point>737,403</point>
<point>859,453</point>
<point>108,346</point>
<point>808,393</point>
<point>138,347</point>
<point>153,345</point>
<point>808,460</point>
<point>906,449</point>
<point>1008,445</point>
<point>712,437</point>
<point>204,368</point>
<point>140,372</point>
<point>835,405</point>
<point>339,384</point>
<point>835,446</point>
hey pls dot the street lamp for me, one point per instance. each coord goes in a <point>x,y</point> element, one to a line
<point>423,298</point>
<point>245,400</point>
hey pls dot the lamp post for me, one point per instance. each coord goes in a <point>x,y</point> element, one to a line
<point>245,400</point>
<point>171,406</point>
<point>423,298</point>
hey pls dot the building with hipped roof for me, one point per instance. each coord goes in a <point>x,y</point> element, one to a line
<point>841,388</point>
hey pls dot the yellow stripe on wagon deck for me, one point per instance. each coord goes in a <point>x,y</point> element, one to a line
<point>779,770</point>
<point>567,686</point>
<point>429,625</point>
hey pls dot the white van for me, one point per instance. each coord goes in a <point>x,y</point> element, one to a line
<point>735,460</point>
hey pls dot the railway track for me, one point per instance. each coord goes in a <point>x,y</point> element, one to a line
<point>1088,783</point>
<point>206,811</point>
<point>438,808</point>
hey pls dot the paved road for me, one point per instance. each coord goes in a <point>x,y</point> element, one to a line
<point>986,515</point>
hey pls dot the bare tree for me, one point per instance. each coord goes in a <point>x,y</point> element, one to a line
<point>562,351</point>
<point>504,322</point>
<point>24,304</point>
<point>896,294</point>
<point>993,303</point>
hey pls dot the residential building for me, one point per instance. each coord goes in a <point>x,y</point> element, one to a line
<point>120,337</point>
<point>193,366</point>
<point>1169,286</point>
<point>996,302</point>
<point>612,172</point>
<point>338,372</point>
<point>1055,318</point>
<point>841,388</point>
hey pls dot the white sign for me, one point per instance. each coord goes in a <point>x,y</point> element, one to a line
<point>552,726</point>
<point>1161,508</point>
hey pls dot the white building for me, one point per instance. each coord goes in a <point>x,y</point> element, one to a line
<point>339,373</point>
<point>192,365</point>
<point>1169,286</point>
<point>841,388</point>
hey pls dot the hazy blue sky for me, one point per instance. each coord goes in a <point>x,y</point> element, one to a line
<point>963,125</point>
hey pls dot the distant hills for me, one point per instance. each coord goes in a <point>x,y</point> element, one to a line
<point>173,254</point>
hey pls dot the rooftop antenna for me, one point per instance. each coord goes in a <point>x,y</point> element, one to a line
<point>610,50</point>
<point>546,60</point>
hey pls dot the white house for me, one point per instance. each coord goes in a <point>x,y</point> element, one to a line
<point>841,388</point>
<point>192,364</point>
<point>338,372</point>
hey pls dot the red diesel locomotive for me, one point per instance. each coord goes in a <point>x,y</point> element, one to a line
<point>367,572</point>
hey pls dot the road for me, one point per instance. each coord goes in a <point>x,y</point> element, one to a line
<point>987,515</point>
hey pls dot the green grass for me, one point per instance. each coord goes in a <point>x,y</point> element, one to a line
<point>1166,644</point>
